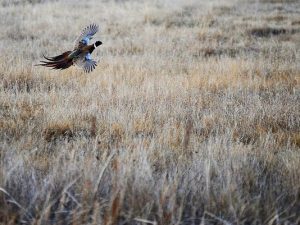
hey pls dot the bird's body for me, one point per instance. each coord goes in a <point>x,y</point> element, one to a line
<point>80,56</point>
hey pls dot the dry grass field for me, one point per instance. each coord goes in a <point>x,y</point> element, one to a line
<point>192,115</point>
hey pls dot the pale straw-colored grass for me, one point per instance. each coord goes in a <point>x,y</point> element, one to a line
<point>191,116</point>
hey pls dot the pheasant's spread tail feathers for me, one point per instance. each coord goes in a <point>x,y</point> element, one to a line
<point>58,62</point>
<point>59,57</point>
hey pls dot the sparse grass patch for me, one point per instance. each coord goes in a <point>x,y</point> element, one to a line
<point>267,32</point>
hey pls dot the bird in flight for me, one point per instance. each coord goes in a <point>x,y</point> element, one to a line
<point>80,56</point>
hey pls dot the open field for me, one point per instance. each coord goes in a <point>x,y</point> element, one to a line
<point>191,117</point>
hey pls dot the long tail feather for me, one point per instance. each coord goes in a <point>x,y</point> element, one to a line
<point>49,58</point>
<point>63,64</point>
<point>57,62</point>
<point>59,57</point>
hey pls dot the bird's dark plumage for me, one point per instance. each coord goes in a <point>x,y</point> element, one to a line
<point>80,56</point>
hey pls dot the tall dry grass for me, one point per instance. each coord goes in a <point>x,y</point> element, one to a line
<point>191,117</point>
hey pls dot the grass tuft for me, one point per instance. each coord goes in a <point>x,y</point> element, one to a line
<point>190,117</point>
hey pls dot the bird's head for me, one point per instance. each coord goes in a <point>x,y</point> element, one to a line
<point>98,43</point>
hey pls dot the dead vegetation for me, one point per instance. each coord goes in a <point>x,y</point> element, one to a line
<point>191,117</point>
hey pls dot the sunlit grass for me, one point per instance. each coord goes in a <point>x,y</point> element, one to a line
<point>191,116</point>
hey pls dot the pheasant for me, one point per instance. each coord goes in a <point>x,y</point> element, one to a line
<point>80,56</point>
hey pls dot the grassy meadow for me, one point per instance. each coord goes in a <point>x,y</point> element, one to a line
<point>192,115</point>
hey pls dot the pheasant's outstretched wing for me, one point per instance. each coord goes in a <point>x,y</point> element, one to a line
<point>86,63</point>
<point>86,35</point>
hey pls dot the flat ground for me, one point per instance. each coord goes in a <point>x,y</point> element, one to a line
<point>192,115</point>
